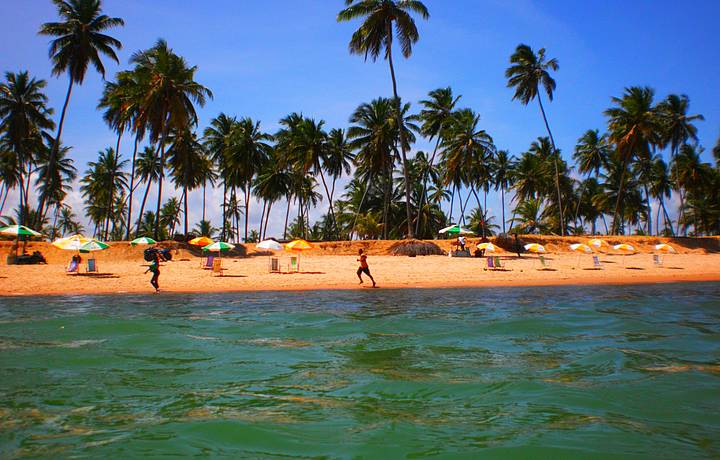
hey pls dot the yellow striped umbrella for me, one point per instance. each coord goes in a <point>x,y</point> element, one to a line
<point>598,244</point>
<point>71,243</point>
<point>535,247</point>
<point>663,247</point>
<point>298,245</point>
<point>625,248</point>
<point>489,247</point>
<point>580,247</point>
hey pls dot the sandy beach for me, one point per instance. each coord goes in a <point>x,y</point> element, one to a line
<point>332,265</point>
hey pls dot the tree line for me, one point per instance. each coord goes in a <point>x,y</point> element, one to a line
<point>617,175</point>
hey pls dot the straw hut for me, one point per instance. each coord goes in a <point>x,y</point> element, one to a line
<point>414,248</point>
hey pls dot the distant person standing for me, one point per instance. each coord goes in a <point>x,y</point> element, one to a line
<point>518,245</point>
<point>155,269</point>
<point>461,242</point>
<point>364,268</point>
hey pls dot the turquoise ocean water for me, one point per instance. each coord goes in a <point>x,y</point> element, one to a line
<point>553,372</point>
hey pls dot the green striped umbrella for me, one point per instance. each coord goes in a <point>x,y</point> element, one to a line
<point>143,240</point>
<point>94,245</point>
<point>220,246</point>
<point>18,230</point>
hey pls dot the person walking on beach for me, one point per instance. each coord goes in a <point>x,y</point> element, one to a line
<point>155,269</point>
<point>518,246</point>
<point>363,268</point>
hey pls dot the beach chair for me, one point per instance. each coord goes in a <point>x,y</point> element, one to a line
<point>543,262</point>
<point>92,266</point>
<point>596,263</point>
<point>294,264</point>
<point>274,265</point>
<point>73,267</point>
<point>498,265</point>
<point>217,266</point>
<point>208,265</point>
<point>490,263</point>
<point>657,260</point>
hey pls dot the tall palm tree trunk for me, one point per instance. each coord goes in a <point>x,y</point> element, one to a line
<point>203,206</point>
<point>185,202</point>
<point>502,195</point>
<point>557,175</point>
<point>56,142</point>
<point>132,189</point>
<point>332,210</point>
<point>401,133</point>
<point>262,218</point>
<point>142,207</point>
<point>161,148</point>
<point>452,204</point>
<point>287,216</point>
<point>267,220</point>
<point>423,195</point>
<point>247,208</point>
<point>621,190</point>
<point>224,211</point>
<point>649,215</point>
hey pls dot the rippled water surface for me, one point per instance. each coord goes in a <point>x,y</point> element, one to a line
<point>572,372</point>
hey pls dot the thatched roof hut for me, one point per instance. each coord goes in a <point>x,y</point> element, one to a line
<point>414,248</point>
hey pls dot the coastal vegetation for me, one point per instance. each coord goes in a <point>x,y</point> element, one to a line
<point>620,181</point>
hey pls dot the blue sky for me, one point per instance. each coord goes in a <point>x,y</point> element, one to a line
<point>267,59</point>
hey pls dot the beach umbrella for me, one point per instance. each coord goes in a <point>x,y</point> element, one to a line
<point>535,247</point>
<point>94,245</point>
<point>456,230</point>
<point>17,231</point>
<point>580,247</point>
<point>271,245</point>
<point>489,247</point>
<point>71,243</point>
<point>663,247</point>
<point>201,241</point>
<point>625,248</point>
<point>598,244</point>
<point>220,246</point>
<point>298,245</point>
<point>143,240</point>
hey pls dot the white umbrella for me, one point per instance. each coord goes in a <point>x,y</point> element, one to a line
<point>271,245</point>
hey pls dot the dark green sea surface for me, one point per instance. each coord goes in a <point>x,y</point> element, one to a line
<point>543,372</point>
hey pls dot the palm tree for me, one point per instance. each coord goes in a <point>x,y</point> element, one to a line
<point>465,149</point>
<point>502,172</point>
<point>273,183</point>
<point>434,116</point>
<point>205,228</point>
<point>338,157</point>
<point>375,35</point>
<point>80,41</point>
<point>635,129</point>
<point>102,182</point>
<point>660,189</point>
<point>169,95</point>
<point>24,116</point>
<point>678,128</point>
<point>249,150</point>
<point>185,157</point>
<point>148,169</point>
<point>54,177</point>
<point>591,154</point>
<point>529,216</point>
<point>217,139</point>
<point>527,72</point>
<point>121,101</point>
<point>373,135</point>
